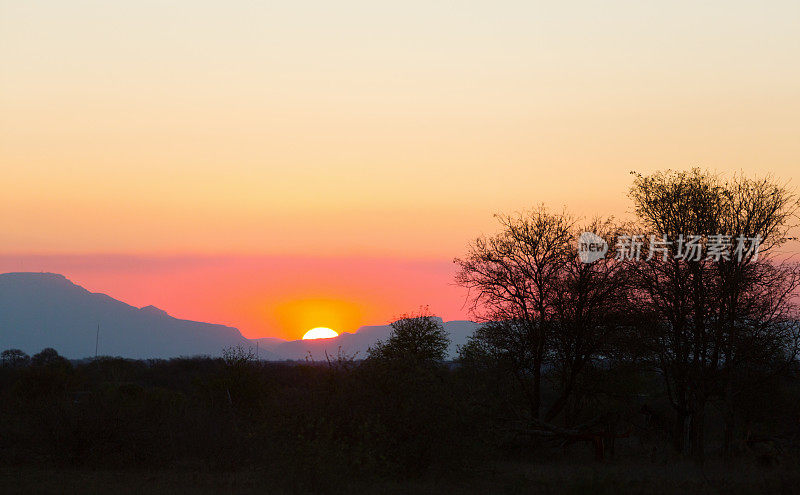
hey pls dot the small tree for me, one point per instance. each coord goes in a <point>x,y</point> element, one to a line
<point>14,358</point>
<point>417,337</point>
<point>412,411</point>
<point>50,358</point>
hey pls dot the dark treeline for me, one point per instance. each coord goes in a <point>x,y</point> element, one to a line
<point>672,355</point>
<point>306,424</point>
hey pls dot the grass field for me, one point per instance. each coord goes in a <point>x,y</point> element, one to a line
<point>561,477</point>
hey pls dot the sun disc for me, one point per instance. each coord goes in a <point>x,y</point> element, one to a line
<point>320,333</point>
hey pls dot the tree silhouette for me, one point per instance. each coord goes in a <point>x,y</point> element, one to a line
<point>49,358</point>
<point>716,315</point>
<point>14,358</point>
<point>416,337</point>
<point>513,278</point>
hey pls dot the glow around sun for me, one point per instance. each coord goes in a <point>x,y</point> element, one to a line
<point>320,333</point>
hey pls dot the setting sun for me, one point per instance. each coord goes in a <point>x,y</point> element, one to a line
<point>320,333</point>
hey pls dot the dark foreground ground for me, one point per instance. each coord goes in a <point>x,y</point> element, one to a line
<point>609,477</point>
<point>232,425</point>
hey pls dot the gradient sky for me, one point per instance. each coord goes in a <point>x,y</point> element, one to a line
<point>253,163</point>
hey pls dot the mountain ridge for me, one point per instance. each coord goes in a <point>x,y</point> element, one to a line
<point>43,309</point>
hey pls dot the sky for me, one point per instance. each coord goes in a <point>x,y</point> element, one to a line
<point>254,163</point>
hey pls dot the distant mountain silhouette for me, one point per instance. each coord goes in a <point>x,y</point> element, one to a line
<point>39,310</point>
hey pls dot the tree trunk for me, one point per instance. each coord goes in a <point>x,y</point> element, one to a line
<point>697,431</point>
<point>729,417</point>
<point>679,431</point>
<point>537,391</point>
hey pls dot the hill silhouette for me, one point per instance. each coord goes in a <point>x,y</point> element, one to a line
<point>39,310</point>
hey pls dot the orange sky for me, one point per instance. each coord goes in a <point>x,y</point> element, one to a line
<point>382,134</point>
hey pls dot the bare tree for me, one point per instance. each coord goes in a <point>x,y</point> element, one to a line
<point>591,304</point>
<point>513,277</point>
<point>708,306</point>
<point>756,313</point>
<point>543,306</point>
